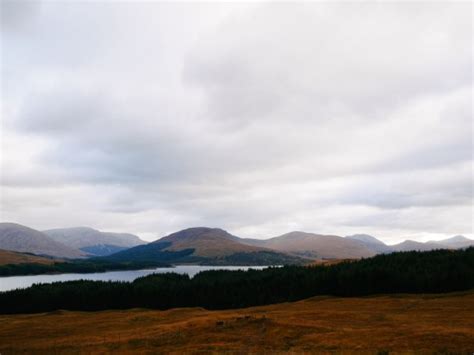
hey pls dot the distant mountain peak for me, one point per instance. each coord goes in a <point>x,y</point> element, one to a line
<point>90,239</point>
<point>301,234</point>
<point>197,232</point>
<point>409,245</point>
<point>457,239</point>
<point>76,229</point>
<point>371,242</point>
<point>211,245</point>
<point>16,237</point>
<point>316,246</point>
<point>409,241</point>
<point>366,238</point>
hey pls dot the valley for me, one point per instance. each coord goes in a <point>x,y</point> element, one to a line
<point>84,249</point>
<point>236,177</point>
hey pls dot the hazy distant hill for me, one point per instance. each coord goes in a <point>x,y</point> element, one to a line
<point>455,242</point>
<point>372,243</point>
<point>19,238</point>
<point>93,241</point>
<point>378,246</point>
<point>315,246</point>
<point>207,246</point>
<point>411,245</point>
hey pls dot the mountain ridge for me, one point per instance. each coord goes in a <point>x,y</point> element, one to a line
<point>315,246</point>
<point>19,238</point>
<point>458,241</point>
<point>93,241</point>
<point>371,242</point>
<point>207,246</point>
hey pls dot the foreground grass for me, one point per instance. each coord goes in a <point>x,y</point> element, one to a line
<point>398,323</point>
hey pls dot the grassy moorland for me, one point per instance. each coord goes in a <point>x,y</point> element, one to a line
<point>441,323</point>
<point>11,257</point>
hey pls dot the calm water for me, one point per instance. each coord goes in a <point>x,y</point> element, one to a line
<point>13,282</point>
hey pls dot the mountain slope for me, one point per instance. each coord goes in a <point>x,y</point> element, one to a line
<point>316,246</point>
<point>456,242</point>
<point>15,237</point>
<point>8,257</point>
<point>207,242</point>
<point>102,249</point>
<point>93,241</point>
<point>411,245</point>
<point>206,246</point>
<point>371,242</point>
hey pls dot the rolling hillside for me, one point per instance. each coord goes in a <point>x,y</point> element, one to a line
<point>456,242</point>
<point>203,245</point>
<point>207,242</point>
<point>411,245</point>
<point>206,246</point>
<point>372,243</point>
<point>315,246</point>
<point>12,257</point>
<point>15,237</point>
<point>93,241</point>
<point>399,324</point>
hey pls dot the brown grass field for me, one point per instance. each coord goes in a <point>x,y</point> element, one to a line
<point>12,257</point>
<point>381,324</point>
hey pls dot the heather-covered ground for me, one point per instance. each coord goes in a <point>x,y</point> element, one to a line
<point>395,323</point>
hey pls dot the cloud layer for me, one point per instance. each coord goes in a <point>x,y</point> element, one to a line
<point>258,118</point>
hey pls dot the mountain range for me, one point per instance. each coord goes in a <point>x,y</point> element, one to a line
<point>15,237</point>
<point>455,242</point>
<point>315,246</point>
<point>92,241</point>
<point>372,243</point>
<point>212,246</point>
<point>69,243</point>
<point>203,245</point>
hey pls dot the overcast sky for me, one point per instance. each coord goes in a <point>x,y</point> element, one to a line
<point>259,118</point>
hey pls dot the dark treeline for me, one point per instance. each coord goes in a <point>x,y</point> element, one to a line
<point>409,272</point>
<point>86,266</point>
<point>154,251</point>
<point>113,262</point>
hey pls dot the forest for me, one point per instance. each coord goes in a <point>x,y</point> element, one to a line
<point>403,272</point>
<point>77,266</point>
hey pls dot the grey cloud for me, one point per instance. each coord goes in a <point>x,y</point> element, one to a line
<point>361,65</point>
<point>15,15</point>
<point>265,117</point>
<point>398,191</point>
<point>405,223</point>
